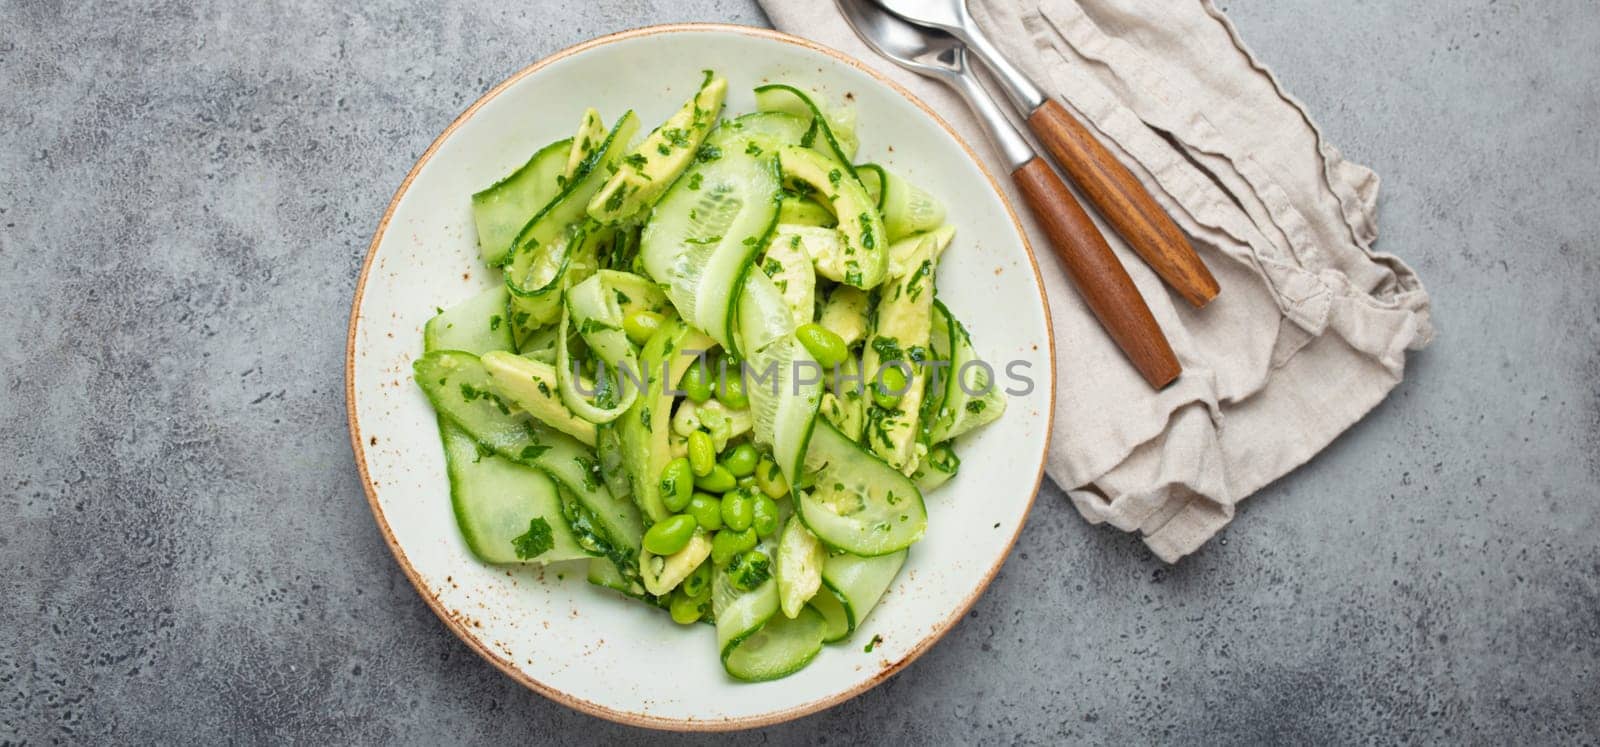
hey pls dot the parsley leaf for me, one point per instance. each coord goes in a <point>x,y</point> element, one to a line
<point>538,540</point>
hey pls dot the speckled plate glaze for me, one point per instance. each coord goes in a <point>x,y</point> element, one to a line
<point>548,628</point>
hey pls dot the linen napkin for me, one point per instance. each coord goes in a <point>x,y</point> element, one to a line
<point>1312,326</point>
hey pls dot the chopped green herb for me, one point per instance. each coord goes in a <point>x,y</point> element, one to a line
<point>538,540</point>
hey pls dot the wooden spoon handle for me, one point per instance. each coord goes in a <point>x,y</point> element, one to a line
<point>1099,275</point>
<point>1124,202</point>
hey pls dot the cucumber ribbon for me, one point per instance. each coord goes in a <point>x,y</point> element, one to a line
<point>594,312</point>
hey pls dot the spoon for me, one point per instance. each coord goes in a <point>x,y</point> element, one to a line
<point>1124,202</point>
<point>1094,269</point>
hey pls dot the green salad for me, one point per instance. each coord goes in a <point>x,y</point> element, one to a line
<point>717,373</point>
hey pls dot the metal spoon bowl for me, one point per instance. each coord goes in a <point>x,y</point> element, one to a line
<point>953,17</point>
<point>940,56</point>
<point>1125,203</point>
<point>1100,277</point>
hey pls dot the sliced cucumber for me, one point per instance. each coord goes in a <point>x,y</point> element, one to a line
<point>768,130</point>
<point>857,503</point>
<point>779,648</point>
<point>462,391</point>
<point>496,501</point>
<point>502,210</point>
<point>635,292</point>
<point>784,381</point>
<point>568,208</point>
<point>536,343</point>
<point>936,467</point>
<point>702,235</point>
<point>555,248</point>
<point>858,584</point>
<point>837,127</point>
<point>507,512</point>
<point>827,604</point>
<point>972,397</point>
<point>476,325</point>
<point>595,314</point>
<point>866,256</point>
<point>536,275</point>
<point>905,207</point>
<point>604,573</point>
<point>873,177</point>
<point>608,449</point>
<point>739,613</point>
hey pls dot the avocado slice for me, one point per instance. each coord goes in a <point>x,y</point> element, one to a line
<point>845,314</point>
<point>804,211</point>
<point>662,573</point>
<point>903,324</point>
<point>531,385</point>
<point>799,567</point>
<point>591,133</point>
<point>646,172</point>
<point>866,260</point>
<point>789,266</point>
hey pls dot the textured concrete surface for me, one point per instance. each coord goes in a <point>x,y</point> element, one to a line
<point>186,192</point>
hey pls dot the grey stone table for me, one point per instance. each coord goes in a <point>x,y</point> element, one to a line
<point>186,192</point>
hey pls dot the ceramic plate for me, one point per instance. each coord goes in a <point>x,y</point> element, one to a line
<point>587,647</point>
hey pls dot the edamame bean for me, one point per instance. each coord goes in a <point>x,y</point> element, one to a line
<point>828,348</point>
<point>698,583</point>
<point>770,479</point>
<point>697,382</point>
<point>750,570</point>
<point>731,392</point>
<point>718,480</point>
<point>728,544</point>
<point>686,609</point>
<point>738,510</point>
<point>702,453</point>
<point>706,510</point>
<point>641,325</point>
<point>741,460</point>
<point>890,387</point>
<point>764,513</point>
<point>677,484</point>
<point>670,534</point>
<point>747,539</point>
<point>724,546</point>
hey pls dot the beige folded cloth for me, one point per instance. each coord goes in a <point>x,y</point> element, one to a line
<point>1311,329</point>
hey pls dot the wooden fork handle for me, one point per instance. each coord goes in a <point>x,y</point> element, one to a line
<point>1099,275</point>
<point>1123,202</point>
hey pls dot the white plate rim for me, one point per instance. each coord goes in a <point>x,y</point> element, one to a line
<point>455,625</point>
